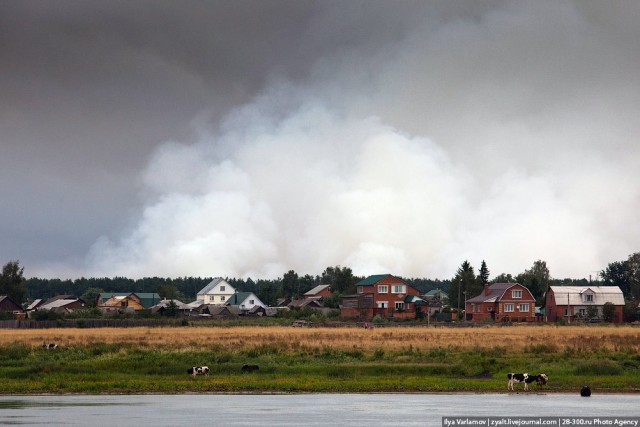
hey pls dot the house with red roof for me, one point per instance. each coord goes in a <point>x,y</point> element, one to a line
<point>502,302</point>
<point>382,294</point>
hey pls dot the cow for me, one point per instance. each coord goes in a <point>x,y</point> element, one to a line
<point>250,368</point>
<point>50,346</point>
<point>198,370</point>
<point>585,391</point>
<point>540,379</point>
<point>517,378</point>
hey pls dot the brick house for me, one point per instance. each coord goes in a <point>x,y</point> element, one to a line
<point>502,302</point>
<point>575,302</point>
<point>381,294</point>
<point>319,292</point>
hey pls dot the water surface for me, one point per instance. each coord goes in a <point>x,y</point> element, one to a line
<point>300,409</point>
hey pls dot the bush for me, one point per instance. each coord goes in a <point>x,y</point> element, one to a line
<point>598,367</point>
<point>378,319</point>
<point>46,315</point>
<point>542,348</point>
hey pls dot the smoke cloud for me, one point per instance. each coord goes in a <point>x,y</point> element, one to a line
<point>410,142</point>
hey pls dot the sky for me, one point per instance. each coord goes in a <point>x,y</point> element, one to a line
<point>241,138</point>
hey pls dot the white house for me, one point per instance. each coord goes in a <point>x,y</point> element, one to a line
<point>245,301</point>
<point>216,292</point>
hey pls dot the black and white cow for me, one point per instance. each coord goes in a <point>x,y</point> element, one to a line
<point>198,370</point>
<point>517,378</point>
<point>50,346</point>
<point>540,379</point>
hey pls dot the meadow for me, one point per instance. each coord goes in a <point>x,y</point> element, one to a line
<point>318,359</point>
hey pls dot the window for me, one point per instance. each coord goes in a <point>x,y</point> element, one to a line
<point>399,289</point>
<point>509,307</point>
<point>516,294</point>
<point>524,308</point>
<point>588,298</point>
<point>399,305</point>
<point>383,289</point>
<point>221,288</point>
<point>212,298</point>
<point>360,289</point>
<point>222,298</point>
<point>383,304</point>
<point>566,311</point>
<point>252,301</point>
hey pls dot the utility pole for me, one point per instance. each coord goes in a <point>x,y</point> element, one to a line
<point>465,305</point>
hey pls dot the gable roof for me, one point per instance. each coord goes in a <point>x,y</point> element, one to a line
<point>414,299</point>
<point>497,291</point>
<point>301,303</point>
<point>179,304</point>
<point>34,304</point>
<point>212,284</point>
<point>573,295</point>
<point>147,299</point>
<point>317,290</point>
<point>62,303</point>
<point>239,298</point>
<point>371,280</point>
<point>7,301</point>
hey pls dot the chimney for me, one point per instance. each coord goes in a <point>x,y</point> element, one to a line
<point>486,289</point>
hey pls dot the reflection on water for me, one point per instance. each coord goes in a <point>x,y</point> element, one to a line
<point>38,402</point>
<point>300,409</point>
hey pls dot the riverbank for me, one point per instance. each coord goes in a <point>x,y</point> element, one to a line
<point>318,360</point>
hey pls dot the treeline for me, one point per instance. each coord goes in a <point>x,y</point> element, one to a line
<point>291,285</point>
<point>464,285</point>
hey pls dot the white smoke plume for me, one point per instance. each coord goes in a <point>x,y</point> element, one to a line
<point>511,137</point>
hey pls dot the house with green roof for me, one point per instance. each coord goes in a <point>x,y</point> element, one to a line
<point>245,302</point>
<point>138,300</point>
<point>384,295</point>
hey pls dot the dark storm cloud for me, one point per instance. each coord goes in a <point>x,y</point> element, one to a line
<point>169,132</point>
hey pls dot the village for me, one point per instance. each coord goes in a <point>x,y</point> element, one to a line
<point>378,299</point>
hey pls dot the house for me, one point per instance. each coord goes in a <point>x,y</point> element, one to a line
<point>582,302</point>
<point>245,302</point>
<point>163,305</point>
<point>63,304</point>
<point>381,294</point>
<point>137,300</point>
<point>312,304</point>
<point>119,303</point>
<point>218,291</point>
<point>502,302</point>
<point>218,311</point>
<point>436,294</point>
<point>299,304</point>
<point>8,305</point>
<point>319,292</point>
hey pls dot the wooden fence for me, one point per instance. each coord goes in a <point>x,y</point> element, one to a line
<point>86,323</point>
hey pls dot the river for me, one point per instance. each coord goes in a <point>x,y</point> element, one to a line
<point>302,409</point>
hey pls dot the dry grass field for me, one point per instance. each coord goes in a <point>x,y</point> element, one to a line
<point>317,359</point>
<point>515,338</point>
